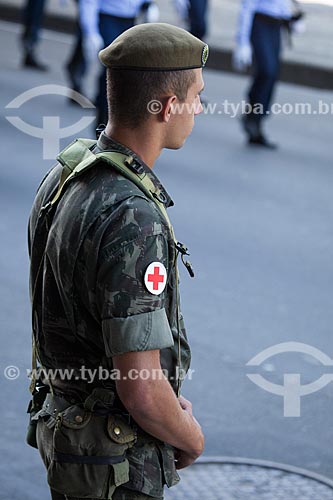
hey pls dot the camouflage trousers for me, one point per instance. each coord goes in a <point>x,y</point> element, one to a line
<point>120,494</point>
<point>44,440</point>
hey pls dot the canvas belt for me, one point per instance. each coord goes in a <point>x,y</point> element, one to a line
<point>86,459</point>
<point>54,405</point>
<point>278,21</point>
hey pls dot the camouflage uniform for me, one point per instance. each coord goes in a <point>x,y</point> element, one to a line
<point>90,300</point>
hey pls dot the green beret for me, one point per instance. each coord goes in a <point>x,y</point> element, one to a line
<point>155,46</point>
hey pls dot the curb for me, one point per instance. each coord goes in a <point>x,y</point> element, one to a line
<point>220,59</point>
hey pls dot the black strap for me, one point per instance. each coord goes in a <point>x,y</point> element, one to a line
<point>277,21</point>
<point>66,458</point>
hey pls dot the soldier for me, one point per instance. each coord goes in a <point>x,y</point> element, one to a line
<point>194,13</point>
<point>260,25</point>
<point>104,285</point>
<point>101,23</point>
<point>33,14</point>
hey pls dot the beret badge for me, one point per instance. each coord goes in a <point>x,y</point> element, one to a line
<point>204,55</point>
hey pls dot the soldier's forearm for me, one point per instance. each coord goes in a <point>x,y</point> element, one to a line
<point>154,406</point>
<point>158,412</point>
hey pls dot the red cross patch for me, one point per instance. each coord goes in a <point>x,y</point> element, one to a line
<point>155,278</point>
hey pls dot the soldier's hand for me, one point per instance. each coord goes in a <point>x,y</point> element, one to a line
<point>185,404</point>
<point>183,459</point>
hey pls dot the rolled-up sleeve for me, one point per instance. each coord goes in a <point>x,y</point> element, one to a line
<point>141,332</point>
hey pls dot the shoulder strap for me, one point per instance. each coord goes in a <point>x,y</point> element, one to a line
<point>78,157</point>
<point>123,164</point>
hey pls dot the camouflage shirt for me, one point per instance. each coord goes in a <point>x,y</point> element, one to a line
<point>90,301</point>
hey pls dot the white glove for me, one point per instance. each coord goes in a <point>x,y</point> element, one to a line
<point>152,14</point>
<point>242,57</point>
<point>91,45</point>
<point>298,27</point>
<point>182,7</point>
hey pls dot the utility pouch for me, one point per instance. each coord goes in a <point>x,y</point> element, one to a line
<point>171,477</point>
<point>35,405</point>
<point>31,430</point>
<point>152,465</point>
<point>89,453</point>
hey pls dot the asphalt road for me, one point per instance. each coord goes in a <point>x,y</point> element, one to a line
<point>259,227</point>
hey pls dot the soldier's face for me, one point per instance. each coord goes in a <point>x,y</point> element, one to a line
<point>182,121</point>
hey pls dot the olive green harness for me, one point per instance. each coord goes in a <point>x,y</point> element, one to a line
<point>78,157</point>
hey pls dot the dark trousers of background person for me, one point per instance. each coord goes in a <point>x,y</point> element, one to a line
<point>266,44</point>
<point>32,19</point>
<point>76,65</point>
<point>110,27</point>
<point>198,17</point>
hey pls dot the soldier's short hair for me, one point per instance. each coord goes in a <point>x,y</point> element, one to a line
<point>131,91</point>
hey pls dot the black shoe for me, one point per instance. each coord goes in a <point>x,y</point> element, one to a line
<point>262,141</point>
<point>31,62</point>
<point>74,80</point>
<point>251,127</point>
<point>253,130</point>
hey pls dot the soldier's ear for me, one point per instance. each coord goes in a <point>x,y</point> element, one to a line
<point>168,108</point>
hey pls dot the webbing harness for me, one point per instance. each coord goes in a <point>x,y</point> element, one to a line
<point>76,159</point>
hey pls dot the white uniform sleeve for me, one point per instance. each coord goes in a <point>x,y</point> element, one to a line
<point>248,9</point>
<point>89,16</point>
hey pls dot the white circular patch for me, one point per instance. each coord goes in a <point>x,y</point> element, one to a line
<point>155,278</point>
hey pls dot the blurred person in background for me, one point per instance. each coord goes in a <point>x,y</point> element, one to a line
<point>259,39</point>
<point>194,14</point>
<point>33,13</point>
<point>76,66</point>
<point>198,17</point>
<point>101,22</point>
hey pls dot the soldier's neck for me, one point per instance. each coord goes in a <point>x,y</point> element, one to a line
<point>140,141</point>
